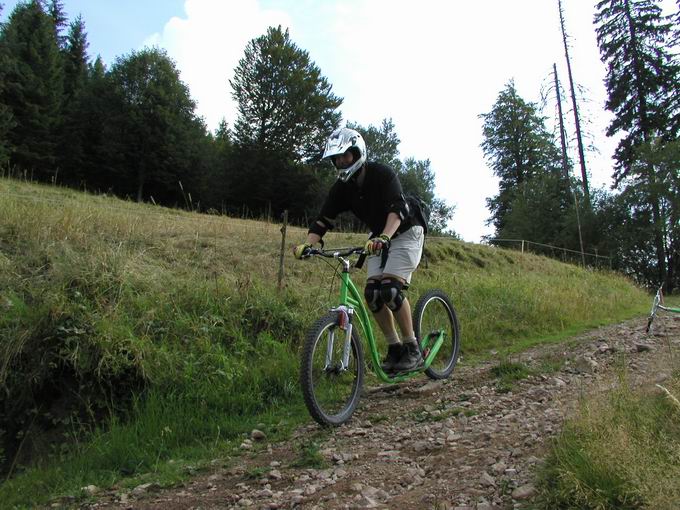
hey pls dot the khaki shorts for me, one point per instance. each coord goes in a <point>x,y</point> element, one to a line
<point>404,256</point>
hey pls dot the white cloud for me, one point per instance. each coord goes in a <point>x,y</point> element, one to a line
<point>207,44</point>
<point>433,66</point>
<point>434,69</point>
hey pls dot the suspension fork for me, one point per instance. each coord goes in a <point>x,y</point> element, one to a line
<point>345,315</point>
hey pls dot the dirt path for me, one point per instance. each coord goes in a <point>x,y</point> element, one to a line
<point>457,444</point>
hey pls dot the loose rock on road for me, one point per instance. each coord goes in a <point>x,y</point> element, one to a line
<point>463,443</point>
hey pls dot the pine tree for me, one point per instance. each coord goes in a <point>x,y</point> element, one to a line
<point>285,105</point>
<point>672,103</point>
<point>217,158</point>
<point>519,148</point>
<point>6,120</point>
<point>286,111</point>
<point>641,74</point>
<point>60,20</point>
<point>33,88</point>
<point>642,80</point>
<point>100,148</point>
<point>542,213</point>
<point>577,118</point>
<point>76,121</point>
<point>75,59</point>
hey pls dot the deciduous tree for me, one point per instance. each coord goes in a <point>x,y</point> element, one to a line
<point>416,176</point>
<point>382,142</point>
<point>156,123</point>
<point>285,105</point>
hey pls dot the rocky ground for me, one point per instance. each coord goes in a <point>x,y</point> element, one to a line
<point>465,443</point>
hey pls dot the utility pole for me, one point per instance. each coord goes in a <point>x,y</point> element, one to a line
<point>579,138</point>
<point>565,164</point>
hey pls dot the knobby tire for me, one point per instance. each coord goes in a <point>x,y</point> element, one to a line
<point>448,353</point>
<point>307,373</point>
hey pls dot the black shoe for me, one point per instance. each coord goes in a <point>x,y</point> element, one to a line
<point>410,358</point>
<point>394,352</point>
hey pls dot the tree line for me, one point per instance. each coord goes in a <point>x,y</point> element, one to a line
<point>132,130</point>
<point>638,221</point>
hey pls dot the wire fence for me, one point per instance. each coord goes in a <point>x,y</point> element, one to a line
<point>247,221</point>
<point>270,225</point>
<point>172,223</point>
<point>564,254</point>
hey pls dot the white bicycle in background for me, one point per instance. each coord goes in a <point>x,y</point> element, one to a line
<point>658,304</point>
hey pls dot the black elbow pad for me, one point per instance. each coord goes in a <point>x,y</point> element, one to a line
<point>319,227</point>
<point>401,208</point>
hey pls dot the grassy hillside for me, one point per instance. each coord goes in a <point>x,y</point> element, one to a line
<point>144,334</point>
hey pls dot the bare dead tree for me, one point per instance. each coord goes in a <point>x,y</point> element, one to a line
<point>565,163</point>
<point>577,122</point>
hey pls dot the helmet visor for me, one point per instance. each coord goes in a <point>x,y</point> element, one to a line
<point>343,161</point>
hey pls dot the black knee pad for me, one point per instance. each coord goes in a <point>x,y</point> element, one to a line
<point>372,296</point>
<point>391,294</point>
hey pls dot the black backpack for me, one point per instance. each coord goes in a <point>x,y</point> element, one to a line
<point>419,211</point>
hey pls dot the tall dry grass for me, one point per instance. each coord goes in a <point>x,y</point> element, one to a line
<point>146,331</point>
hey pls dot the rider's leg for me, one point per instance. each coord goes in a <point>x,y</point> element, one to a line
<point>381,313</point>
<point>385,320</point>
<point>398,305</point>
<point>403,312</point>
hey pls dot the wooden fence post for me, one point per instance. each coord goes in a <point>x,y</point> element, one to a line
<point>283,247</point>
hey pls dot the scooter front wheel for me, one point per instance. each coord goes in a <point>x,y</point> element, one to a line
<point>331,378</point>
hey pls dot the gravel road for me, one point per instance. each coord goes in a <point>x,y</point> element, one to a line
<point>464,443</point>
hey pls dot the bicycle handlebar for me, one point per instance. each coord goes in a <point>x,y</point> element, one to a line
<point>334,254</point>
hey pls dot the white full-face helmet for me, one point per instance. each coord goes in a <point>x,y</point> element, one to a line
<point>340,141</point>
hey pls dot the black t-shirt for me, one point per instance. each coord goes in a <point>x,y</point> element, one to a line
<point>379,195</point>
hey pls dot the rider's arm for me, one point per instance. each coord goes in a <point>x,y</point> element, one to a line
<point>392,224</point>
<point>398,208</point>
<point>333,205</point>
<point>313,238</point>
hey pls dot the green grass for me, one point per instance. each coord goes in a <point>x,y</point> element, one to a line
<point>171,322</point>
<point>508,372</point>
<point>146,449</point>
<point>308,455</point>
<point>258,472</point>
<point>621,451</point>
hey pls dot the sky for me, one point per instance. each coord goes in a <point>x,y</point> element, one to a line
<point>432,66</point>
